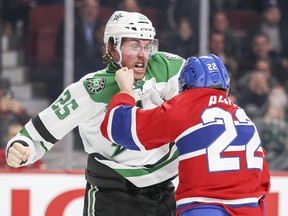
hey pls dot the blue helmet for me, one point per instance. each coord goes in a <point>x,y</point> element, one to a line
<point>204,72</point>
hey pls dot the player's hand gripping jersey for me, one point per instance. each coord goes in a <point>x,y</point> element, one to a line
<point>84,104</point>
<point>220,155</point>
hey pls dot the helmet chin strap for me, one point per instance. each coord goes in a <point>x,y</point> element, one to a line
<point>120,54</point>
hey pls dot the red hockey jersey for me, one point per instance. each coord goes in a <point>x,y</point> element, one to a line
<point>221,160</point>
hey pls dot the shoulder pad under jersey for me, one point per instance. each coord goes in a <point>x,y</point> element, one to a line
<point>164,66</point>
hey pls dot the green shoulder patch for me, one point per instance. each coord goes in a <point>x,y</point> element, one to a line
<point>96,85</point>
<point>101,87</point>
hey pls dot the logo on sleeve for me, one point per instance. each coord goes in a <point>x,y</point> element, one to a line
<point>96,85</point>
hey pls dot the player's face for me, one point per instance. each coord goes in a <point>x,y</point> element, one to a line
<point>135,55</point>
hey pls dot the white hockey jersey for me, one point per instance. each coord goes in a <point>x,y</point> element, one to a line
<point>84,104</point>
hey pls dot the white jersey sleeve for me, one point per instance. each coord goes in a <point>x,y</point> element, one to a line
<point>72,107</point>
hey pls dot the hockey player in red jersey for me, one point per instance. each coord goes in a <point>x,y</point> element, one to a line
<point>222,166</point>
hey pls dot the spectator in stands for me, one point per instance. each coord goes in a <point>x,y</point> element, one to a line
<point>183,41</point>
<point>275,27</point>
<point>250,83</point>
<point>86,50</point>
<point>87,57</point>
<point>217,47</point>
<point>260,48</point>
<point>220,24</point>
<point>186,8</point>
<point>271,25</point>
<point>11,110</point>
<point>129,5</point>
<point>273,129</point>
<point>254,94</point>
<point>14,20</point>
<point>263,66</point>
<point>15,10</point>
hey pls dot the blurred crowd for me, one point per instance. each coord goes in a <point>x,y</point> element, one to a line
<point>251,37</point>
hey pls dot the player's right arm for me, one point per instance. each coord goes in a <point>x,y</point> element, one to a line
<point>40,134</point>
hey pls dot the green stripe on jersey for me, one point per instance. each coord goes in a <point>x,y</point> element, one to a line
<point>44,147</point>
<point>141,172</point>
<point>25,133</point>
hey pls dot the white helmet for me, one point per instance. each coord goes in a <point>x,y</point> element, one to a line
<point>129,25</point>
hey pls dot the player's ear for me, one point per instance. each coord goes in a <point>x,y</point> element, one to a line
<point>113,52</point>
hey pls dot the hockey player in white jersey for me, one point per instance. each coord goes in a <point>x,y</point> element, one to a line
<point>119,181</point>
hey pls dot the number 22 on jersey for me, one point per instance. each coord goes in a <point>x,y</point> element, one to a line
<point>229,140</point>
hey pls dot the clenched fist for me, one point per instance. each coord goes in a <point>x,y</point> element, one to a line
<point>17,154</point>
<point>125,80</point>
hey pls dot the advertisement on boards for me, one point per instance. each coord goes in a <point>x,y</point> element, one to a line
<point>60,193</point>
